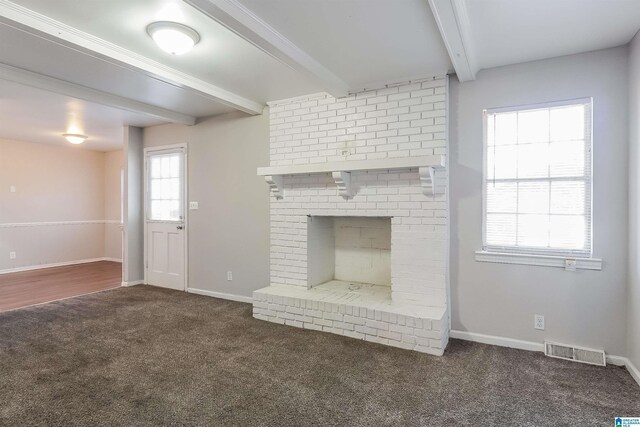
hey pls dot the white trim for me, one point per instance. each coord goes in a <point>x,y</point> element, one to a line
<point>232,297</point>
<point>181,147</point>
<point>239,19</point>
<point>438,161</point>
<point>111,259</point>
<point>534,346</point>
<point>540,105</point>
<point>499,341</point>
<point>301,98</point>
<point>167,147</point>
<point>616,360</point>
<point>453,22</point>
<point>633,370</point>
<point>584,254</point>
<point>539,260</point>
<point>133,283</point>
<point>57,223</point>
<point>375,85</point>
<point>56,264</point>
<point>56,31</point>
<point>626,362</point>
<point>63,87</point>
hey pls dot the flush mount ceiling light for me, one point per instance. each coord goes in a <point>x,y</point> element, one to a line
<point>75,138</point>
<point>173,37</point>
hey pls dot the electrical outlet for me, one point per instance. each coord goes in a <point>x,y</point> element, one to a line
<point>12,255</point>
<point>193,206</point>
<point>538,322</point>
<point>229,275</point>
<point>570,264</point>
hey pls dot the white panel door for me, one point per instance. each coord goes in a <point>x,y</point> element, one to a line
<point>164,216</point>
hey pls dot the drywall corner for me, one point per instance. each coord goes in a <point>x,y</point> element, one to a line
<point>133,257</point>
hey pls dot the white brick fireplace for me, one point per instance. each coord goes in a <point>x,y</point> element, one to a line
<point>359,222</point>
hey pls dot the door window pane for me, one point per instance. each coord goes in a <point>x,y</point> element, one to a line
<point>165,181</point>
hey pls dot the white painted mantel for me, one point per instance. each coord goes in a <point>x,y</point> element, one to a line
<point>341,171</point>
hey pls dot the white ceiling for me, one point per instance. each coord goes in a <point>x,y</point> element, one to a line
<point>34,53</point>
<point>354,43</point>
<point>221,57</point>
<point>512,31</point>
<point>362,41</point>
<point>34,115</point>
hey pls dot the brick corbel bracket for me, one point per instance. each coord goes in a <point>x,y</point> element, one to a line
<point>343,181</point>
<point>427,180</point>
<point>275,184</point>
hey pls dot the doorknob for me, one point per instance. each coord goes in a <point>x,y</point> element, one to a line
<point>179,227</point>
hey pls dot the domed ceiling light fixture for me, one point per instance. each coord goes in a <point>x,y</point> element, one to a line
<point>75,138</point>
<point>173,37</point>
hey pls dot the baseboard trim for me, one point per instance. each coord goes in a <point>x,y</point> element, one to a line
<point>534,346</point>
<point>499,341</point>
<point>132,283</point>
<point>232,297</point>
<point>616,360</point>
<point>56,264</point>
<point>633,370</point>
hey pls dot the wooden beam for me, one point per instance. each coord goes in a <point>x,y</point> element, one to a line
<point>62,87</point>
<point>242,21</point>
<point>53,30</point>
<point>453,22</point>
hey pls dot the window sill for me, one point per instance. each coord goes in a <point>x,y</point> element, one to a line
<point>539,260</point>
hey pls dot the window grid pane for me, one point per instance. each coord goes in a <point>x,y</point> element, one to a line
<point>164,187</point>
<point>538,180</point>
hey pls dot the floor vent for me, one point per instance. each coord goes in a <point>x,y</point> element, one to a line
<point>575,354</point>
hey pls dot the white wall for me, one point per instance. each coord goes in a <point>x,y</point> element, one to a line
<point>584,307</point>
<point>57,212</point>
<point>633,298</point>
<point>230,230</point>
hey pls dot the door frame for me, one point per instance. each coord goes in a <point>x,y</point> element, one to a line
<point>185,219</point>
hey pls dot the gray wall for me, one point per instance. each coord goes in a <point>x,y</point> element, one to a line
<point>584,307</point>
<point>633,308</point>
<point>133,205</point>
<point>230,230</point>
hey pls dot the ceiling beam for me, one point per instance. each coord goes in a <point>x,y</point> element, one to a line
<point>62,87</point>
<point>243,22</point>
<point>58,32</point>
<point>453,21</point>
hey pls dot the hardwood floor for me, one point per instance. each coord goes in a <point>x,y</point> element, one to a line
<point>49,284</point>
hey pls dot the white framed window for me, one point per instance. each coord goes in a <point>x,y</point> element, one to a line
<point>537,180</point>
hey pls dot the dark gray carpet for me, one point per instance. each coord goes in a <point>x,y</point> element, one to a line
<point>147,356</point>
